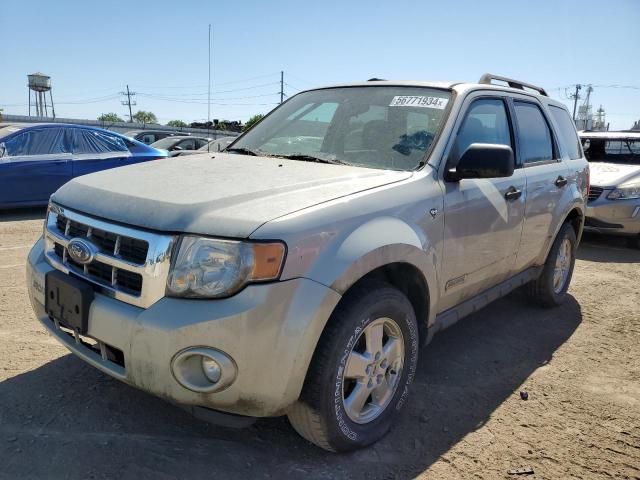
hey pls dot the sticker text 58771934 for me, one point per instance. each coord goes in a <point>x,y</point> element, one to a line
<point>419,101</point>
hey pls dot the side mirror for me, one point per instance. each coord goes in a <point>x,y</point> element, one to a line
<point>484,160</point>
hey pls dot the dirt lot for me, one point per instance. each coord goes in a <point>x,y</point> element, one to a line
<point>580,365</point>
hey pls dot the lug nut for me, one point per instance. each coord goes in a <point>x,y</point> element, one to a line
<point>379,379</point>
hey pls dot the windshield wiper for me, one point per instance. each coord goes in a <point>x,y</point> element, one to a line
<point>311,158</point>
<point>245,151</point>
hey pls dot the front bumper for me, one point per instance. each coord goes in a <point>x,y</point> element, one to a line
<point>616,217</point>
<point>270,331</point>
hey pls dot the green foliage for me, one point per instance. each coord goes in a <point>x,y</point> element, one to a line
<point>110,117</point>
<point>252,121</point>
<point>176,123</point>
<point>145,117</point>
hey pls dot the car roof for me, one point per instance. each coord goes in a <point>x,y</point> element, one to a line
<point>610,135</point>
<point>458,86</point>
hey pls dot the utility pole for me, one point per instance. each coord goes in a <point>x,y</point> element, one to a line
<point>128,102</point>
<point>575,97</point>
<point>281,86</point>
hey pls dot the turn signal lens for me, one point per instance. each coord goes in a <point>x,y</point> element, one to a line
<point>267,261</point>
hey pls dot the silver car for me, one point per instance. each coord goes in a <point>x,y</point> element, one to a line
<point>614,195</point>
<point>300,273</point>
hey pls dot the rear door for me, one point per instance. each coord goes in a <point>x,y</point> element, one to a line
<point>94,150</point>
<point>482,225</point>
<point>34,165</point>
<point>546,175</point>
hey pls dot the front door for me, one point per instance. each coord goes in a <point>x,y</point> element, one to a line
<point>482,226</point>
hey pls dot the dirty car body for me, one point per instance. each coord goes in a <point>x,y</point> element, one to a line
<point>229,284</point>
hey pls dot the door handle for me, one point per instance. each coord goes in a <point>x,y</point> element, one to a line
<point>561,181</point>
<point>512,194</point>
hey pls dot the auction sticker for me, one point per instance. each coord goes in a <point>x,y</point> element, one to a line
<point>419,101</point>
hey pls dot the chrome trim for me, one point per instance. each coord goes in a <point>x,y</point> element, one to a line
<point>154,271</point>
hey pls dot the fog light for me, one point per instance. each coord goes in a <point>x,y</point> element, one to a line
<point>211,369</point>
<point>203,369</point>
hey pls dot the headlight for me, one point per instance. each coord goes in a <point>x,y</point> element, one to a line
<point>624,192</point>
<point>210,268</point>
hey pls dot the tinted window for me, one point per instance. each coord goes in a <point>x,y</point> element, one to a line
<point>486,122</point>
<point>534,136</point>
<point>567,132</point>
<point>48,141</point>
<point>188,144</point>
<point>94,141</point>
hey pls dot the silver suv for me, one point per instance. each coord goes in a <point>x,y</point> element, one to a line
<point>300,271</point>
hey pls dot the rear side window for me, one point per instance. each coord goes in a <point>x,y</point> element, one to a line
<point>534,135</point>
<point>567,132</point>
<point>486,122</point>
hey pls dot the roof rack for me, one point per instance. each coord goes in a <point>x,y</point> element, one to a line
<point>488,78</point>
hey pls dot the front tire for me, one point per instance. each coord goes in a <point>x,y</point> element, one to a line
<point>550,289</point>
<point>361,370</point>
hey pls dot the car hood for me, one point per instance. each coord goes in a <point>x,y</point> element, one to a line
<point>606,174</point>
<point>225,194</point>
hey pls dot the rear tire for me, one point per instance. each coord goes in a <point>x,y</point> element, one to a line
<point>550,289</point>
<point>361,370</point>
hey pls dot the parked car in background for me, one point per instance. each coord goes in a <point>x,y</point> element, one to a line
<point>217,145</point>
<point>150,136</point>
<point>614,196</point>
<point>176,143</point>
<point>36,160</point>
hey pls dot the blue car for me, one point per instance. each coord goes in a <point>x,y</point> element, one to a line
<point>36,160</point>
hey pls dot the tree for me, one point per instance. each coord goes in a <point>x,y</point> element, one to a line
<point>252,121</point>
<point>110,117</point>
<point>176,123</point>
<point>145,117</point>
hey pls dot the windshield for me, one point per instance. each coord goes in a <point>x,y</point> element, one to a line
<point>377,127</point>
<point>166,143</point>
<point>614,151</point>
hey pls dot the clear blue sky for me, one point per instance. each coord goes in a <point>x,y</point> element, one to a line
<point>92,50</point>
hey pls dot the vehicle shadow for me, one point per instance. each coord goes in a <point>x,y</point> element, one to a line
<point>18,214</point>
<point>606,249</point>
<point>67,420</point>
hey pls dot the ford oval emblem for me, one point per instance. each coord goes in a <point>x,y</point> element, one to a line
<point>81,251</point>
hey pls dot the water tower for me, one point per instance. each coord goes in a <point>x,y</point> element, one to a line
<point>39,84</point>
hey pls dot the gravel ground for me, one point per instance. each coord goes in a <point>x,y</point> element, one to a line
<point>580,365</point>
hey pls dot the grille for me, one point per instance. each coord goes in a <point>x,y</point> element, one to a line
<point>129,249</point>
<point>131,265</point>
<point>594,193</point>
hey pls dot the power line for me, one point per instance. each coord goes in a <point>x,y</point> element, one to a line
<point>182,87</point>
<point>202,100</point>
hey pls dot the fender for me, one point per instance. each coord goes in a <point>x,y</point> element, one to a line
<point>376,243</point>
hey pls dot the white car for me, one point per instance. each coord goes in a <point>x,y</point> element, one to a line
<point>614,196</point>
